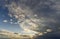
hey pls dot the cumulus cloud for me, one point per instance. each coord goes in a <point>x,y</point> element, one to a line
<point>5,21</point>
<point>36,15</point>
<point>26,17</point>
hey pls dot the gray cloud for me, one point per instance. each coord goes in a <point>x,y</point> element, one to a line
<point>49,10</point>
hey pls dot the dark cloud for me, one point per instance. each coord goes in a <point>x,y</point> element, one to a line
<point>52,35</point>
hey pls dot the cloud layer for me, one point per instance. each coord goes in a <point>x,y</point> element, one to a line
<point>36,15</point>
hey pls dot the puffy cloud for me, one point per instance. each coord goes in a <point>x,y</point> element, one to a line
<point>37,15</point>
<point>5,21</point>
<point>26,17</point>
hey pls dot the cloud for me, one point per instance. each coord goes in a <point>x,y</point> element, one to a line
<point>54,35</point>
<point>37,15</point>
<point>5,21</point>
<point>26,17</point>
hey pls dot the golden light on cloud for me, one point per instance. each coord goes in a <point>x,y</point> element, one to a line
<point>49,30</point>
<point>27,30</point>
<point>45,32</point>
<point>26,18</point>
<point>40,33</point>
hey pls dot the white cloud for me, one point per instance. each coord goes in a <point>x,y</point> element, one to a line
<point>5,21</point>
<point>11,22</point>
<point>15,23</point>
<point>26,23</point>
<point>11,19</point>
<point>27,18</point>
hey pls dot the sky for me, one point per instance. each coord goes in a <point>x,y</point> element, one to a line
<point>5,22</point>
<point>5,19</point>
<point>30,16</point>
